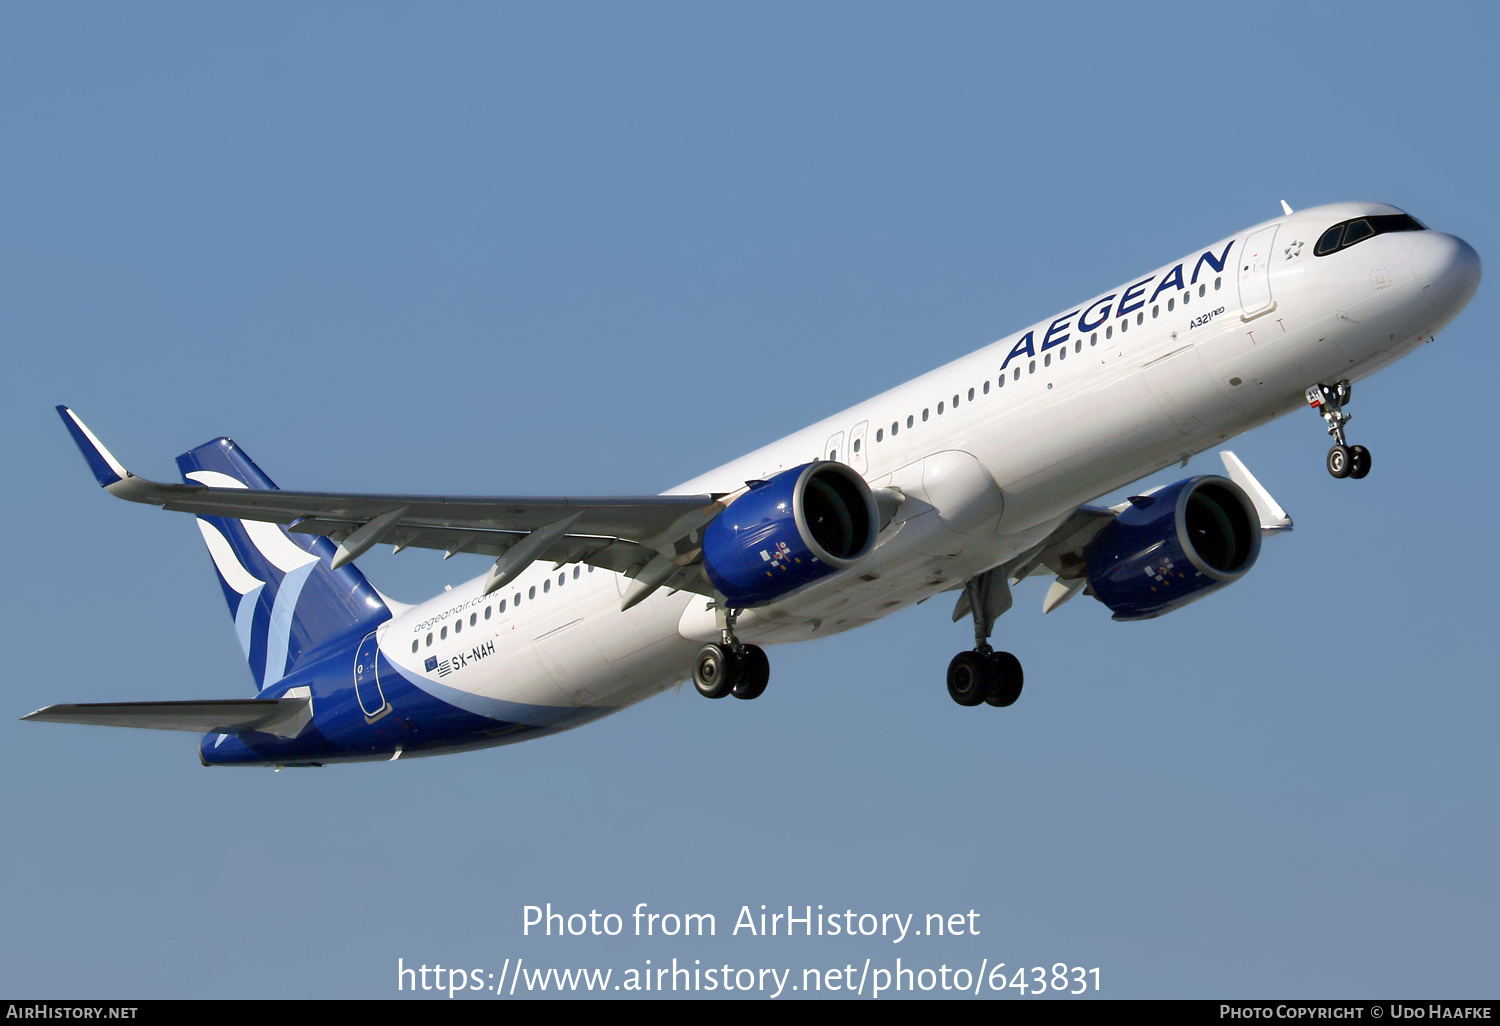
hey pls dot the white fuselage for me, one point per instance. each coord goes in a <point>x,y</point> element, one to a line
<point>992,451</point>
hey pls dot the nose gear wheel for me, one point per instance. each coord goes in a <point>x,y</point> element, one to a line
<point>1328,401</point>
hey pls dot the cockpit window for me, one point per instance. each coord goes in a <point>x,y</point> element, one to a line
<point>1342,236</point>
<point>1357,230</point>
<point>1330,240</point>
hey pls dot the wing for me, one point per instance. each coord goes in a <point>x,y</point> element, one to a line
<point>654,539</point>
<point>1064,552</point>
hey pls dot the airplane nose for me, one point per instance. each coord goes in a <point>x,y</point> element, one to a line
<point>1447,269</point>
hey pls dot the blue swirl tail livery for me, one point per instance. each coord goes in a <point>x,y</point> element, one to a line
<point>290,605</point>
<point>969,480</point>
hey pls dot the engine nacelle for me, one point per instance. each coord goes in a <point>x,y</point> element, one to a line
<point>785,533</point>
<point>1173,547</point>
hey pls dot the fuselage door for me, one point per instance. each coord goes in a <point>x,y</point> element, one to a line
<point>833,449</point>
<point>367,679</point>
<point>1255,274</point>
<point>857,457</point>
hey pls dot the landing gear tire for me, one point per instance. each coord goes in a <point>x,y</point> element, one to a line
<point>1328,402</point>
<point>716,670</point>
<point>1008,680</point>
<point>755,673</point>
<point>1340,461</point>
<point>971,675</point>
<point>1359,457</point>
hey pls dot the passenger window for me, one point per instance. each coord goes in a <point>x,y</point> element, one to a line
<point>971,395</point>
<point>1047,361</point>
<point>955,401</point>
<point>1202,289</point>
<point>1109,332</point>
<point>1031,367</point>
<point>1171,303</point>
<point>443,634</point>
<point>518,598</point>
<point>1062,354</point>
<point>531,592</point>
<point>1002,381</point>
<point>1078,346</point>
<point>1017,374</point>
<point>502,605</point>
<point>575,573</point>
<point>924,414</point>
<point>546,586</point>
<point>880,434</point>
<point>473,619</point>
<point>1356,231</point>
<point>1140,318</point>
<point>1217,282</point>
<point>414,645</point>
<point>940,409</point>
<point>591,569</point>
<point>987,386</point>
<point>1154,311</point>
<point>1094,339</point>
<point>894,428</point>
<point>562,578</point>
<point>429,640</point>
<point>856,444</point>
<point>1185,297</point>
<point>1125,325</point>
<point>910,419</point>
<point>488,610</point>
<point>458,625</point>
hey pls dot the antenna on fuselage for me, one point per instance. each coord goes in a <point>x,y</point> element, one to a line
<point>1286,209</point>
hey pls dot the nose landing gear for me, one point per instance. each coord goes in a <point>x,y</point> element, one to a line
<point>983,676</point>
<point>731,667</point>
<point>1328,402</point>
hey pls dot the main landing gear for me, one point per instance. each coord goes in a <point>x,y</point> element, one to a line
<point>731,667</point>
<point>984,676</point>
<point>1328,402</point>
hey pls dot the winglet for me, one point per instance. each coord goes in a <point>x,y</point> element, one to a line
<point>107,470</point>
<point>1273,519</point>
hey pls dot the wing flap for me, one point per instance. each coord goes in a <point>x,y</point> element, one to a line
<point>1063,551</point>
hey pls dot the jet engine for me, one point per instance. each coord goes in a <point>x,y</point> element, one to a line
<point>790,531</point>
<point>1173,546</point>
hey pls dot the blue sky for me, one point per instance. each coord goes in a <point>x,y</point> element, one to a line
<point>575,249</point>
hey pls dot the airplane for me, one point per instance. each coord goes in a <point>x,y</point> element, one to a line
<point>968,479</point>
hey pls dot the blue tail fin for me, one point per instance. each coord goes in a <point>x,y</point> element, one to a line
<point>289,607</point>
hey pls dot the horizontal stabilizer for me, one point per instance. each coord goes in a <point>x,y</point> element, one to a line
<point>281,716</point>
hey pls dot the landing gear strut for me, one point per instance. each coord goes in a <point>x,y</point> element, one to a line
<point>731,667</point>
<point>984,676</point>
<point>1328,402</point>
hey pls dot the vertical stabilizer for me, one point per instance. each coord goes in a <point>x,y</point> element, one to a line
<point>290,607</point>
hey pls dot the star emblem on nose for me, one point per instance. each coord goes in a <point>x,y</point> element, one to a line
<point>1294,250</point>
